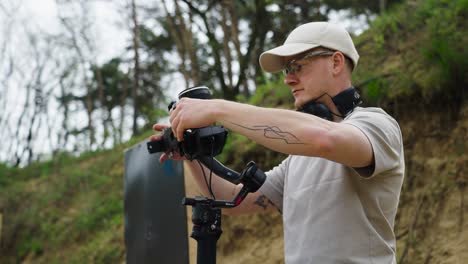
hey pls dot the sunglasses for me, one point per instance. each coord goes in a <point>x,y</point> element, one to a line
<point>293,66</point>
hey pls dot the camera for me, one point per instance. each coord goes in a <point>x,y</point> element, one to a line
<point>197,142</point>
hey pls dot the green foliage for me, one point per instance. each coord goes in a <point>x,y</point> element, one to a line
<point>272,94</point>
<point>446,49</point>
<point>374,90</point>
<point>384,27</point>
<point>30,245</point>
<point>155,43</point>
<point>360,6</point>
<point>99,215</point>
<point>152,115</point>
<point>6,173</point>
<point>115,84</point>
<point>417,49</point>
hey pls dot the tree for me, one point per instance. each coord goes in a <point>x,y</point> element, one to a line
<point>110,89</point>
<point>136,69</point>
<point>77,36</point>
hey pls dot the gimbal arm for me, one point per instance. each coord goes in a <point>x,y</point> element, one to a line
<point>251,177</point>
<point>219,169</point>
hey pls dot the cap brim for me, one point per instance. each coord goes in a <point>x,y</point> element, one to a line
<point>272,60</point>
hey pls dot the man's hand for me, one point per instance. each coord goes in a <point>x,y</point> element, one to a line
<point>191,113</point>
<point>164,156</point>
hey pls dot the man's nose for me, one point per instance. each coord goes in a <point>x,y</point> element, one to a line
<point>291,79</point>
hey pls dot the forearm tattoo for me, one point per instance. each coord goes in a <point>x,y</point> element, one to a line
<point>274,132</point>
<point>263,202</point>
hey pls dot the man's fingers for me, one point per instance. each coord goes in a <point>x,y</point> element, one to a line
<point>175,124</point>
<point>159,127</point>
<point>180,134</point>
<point>172,156</point>
<point>163,157</point>
<point>155,137</point>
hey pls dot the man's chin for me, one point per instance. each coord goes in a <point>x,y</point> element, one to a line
<point>298,104</point>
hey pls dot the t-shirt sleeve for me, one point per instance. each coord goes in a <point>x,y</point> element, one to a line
<point>384,135</point>
<point>274,184</point>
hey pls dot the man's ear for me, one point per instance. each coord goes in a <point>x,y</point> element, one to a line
<point>339,62</point>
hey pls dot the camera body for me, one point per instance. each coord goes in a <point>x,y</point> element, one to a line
<point>198,142</point>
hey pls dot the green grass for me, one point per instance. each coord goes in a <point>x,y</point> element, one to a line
<point>68,204</point>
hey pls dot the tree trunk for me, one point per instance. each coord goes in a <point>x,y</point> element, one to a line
<point>235,40</point>
<point>191,49</point>
<point>227,51</point>
<point>104,107</point>
<point>382,6</point>
<point>123,100</point>
<point>136,81</point>
<point>89,112</point>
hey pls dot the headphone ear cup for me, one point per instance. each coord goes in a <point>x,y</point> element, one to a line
<point>347,100</point>
<point>317,109</point>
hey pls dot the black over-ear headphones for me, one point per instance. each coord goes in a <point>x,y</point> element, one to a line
<point>345,101</point>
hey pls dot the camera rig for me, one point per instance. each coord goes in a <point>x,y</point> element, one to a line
<point>203,144</point>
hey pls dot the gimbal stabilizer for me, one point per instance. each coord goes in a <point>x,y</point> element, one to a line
<point>203,144</point>
<point>206,213</point>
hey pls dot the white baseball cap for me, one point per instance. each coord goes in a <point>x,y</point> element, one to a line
<point>306,37</point>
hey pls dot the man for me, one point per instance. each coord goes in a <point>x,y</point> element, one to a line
<point>339,187</point>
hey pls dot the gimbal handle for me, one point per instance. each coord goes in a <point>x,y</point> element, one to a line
<point>251,177</point>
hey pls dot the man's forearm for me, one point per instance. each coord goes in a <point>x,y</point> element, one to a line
<point>281,130</point>
<point>295,133</point>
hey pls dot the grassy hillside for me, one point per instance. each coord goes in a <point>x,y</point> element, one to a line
<point>413,64</point>
<point>416,52</point>
<point>68,210</point>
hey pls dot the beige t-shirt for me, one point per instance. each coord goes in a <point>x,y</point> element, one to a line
<point>336,214</point>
